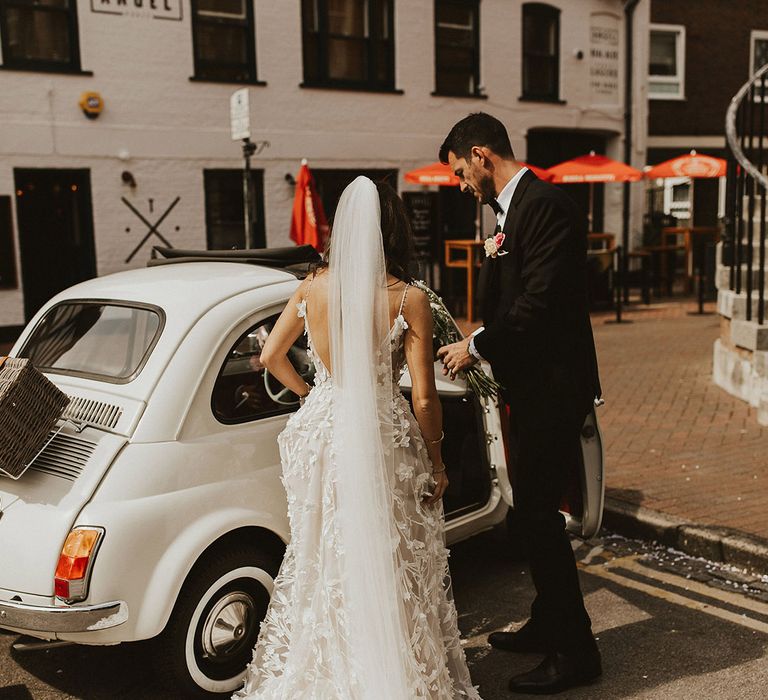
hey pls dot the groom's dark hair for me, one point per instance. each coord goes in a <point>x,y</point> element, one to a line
<point>478,129</point>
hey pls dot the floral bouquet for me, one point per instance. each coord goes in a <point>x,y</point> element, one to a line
<point>445,333</point>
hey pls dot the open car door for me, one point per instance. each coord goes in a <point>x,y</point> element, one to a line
<point>584,499</point>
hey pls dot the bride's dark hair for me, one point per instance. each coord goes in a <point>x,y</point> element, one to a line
<point>396,234</point>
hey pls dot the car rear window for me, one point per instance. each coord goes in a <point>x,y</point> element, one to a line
<point>103,340</point>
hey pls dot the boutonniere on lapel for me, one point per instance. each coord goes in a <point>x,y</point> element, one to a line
<point>493,245</point>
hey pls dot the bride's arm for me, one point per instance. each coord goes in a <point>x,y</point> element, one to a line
<point>274,354</point>
<point>426,403</point>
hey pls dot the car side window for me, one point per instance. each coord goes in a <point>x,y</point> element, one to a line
<point>244,390</point>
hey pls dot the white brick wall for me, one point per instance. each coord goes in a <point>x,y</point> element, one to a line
<point>173,128</point>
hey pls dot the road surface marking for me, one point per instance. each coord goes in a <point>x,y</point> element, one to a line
<point>605,572</point>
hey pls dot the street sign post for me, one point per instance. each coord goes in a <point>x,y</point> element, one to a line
<point>240,124</point>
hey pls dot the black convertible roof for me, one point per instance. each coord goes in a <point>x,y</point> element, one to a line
<point>295,259</point>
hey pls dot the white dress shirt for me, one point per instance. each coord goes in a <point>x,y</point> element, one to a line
<point>505,200</point>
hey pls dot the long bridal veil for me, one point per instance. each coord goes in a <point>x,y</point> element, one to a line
<point>363,446</point>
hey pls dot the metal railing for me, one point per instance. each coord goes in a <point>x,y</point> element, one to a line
<point>746,187</point>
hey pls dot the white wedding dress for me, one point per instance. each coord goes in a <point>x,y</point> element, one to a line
<point>315,641</point>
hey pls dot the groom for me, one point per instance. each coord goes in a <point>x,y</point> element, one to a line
<point>538,338</point>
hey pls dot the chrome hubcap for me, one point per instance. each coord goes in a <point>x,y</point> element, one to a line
<point>227,625</point>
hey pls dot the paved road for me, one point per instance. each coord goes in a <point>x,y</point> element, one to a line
<point>669,627</point>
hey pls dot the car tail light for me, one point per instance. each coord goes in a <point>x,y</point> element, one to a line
<point>75,563</point>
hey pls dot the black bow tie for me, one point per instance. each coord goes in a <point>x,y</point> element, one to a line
<point>494,204</point>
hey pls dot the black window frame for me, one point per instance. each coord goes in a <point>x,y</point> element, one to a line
<point>248,26</point>
<point>73,65</point>
<point>9,278</point>
<point>474,6</point>
<point>321,56</point>
<point>257,203</point>
<point>540,11</point>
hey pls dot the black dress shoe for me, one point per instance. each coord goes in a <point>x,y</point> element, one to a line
<point>525,641</point>
<point>559,672</point>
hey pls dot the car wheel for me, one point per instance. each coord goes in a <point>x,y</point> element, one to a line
<point>208,641</point>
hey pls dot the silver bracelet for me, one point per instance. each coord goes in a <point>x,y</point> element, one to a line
<point>440,439</point>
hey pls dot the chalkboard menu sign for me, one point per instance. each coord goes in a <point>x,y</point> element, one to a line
<point>422,211</point>
<point>7,258</point>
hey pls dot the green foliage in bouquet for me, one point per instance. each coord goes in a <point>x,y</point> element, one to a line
<point>445,333</point>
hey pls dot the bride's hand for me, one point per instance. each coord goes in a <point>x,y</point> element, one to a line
<point>441,484</point>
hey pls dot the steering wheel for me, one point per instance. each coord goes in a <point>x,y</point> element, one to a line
<point>280,395</point>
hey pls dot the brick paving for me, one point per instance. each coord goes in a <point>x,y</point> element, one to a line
<point>675,442</point>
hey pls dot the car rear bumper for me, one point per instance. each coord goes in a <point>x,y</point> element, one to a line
<point>40,618</point>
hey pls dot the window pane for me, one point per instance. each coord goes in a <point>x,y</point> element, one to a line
<point>225,218</point>
<point>454,14</point>
<point>540,77</point>
<point>455,82</point>
<point>242,389</point>
<point>37,35</point>
<point>7,256</point>
<point>234,9</point>
<point>761,54</point>
<point>663,53</point>
<point>309,15</point>
<point>347,17</point>
<point>656,88</point>
<point>448,35</point>
<point>88,338</point>
<point>540,33</point>
<point>224,208</point>
<point>346,59</point>
<point>45,3</point>
<point>222,43</point>
<point>383,63</point>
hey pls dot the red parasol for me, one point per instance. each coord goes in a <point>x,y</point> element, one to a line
<point>690,165</point>
<point>590,169</point>
<point>308,223</point>
<point>593,168</point>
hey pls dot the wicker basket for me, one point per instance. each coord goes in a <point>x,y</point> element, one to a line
<point>30,405</point>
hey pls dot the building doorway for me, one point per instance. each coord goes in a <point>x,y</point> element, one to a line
<point>56,243</point>
<point>548,147</point>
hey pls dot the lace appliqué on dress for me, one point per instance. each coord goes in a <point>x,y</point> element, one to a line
<point>303,651</point>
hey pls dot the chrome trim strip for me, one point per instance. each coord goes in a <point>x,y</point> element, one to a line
<point>38,618</point>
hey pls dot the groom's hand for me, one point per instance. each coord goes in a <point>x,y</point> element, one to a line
<point>456,358</point>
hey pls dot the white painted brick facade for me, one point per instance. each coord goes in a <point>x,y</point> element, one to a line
<point>172,128</point>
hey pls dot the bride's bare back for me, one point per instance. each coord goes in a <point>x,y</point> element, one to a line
<point>317,311</point>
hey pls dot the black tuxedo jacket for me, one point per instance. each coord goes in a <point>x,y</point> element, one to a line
<point>538,336</point>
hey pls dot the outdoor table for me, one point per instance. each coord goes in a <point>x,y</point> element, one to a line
<point>691,237</point>
<point>660,267</point>
<point>462,253</point>
<point>606,241</point>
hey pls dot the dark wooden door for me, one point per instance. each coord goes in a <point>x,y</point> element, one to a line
<point>55,232</point>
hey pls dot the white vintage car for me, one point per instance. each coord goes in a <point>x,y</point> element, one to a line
<point>156,510</point>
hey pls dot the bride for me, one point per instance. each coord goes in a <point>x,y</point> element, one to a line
<point>362,607</point>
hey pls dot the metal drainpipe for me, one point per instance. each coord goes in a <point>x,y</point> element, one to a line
<point>629,11</point>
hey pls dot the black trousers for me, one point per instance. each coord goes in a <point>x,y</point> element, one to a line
<point>545,450</point>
